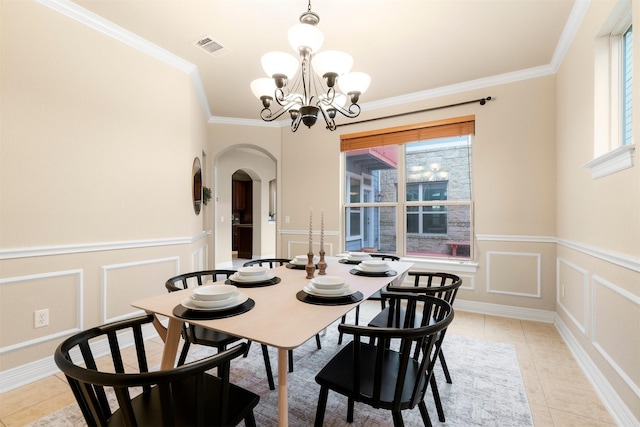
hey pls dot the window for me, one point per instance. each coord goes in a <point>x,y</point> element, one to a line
<point>431,168</point>
<point>627,86</point>
<point>613,87</point>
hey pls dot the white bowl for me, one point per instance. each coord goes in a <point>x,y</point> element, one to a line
<point>327,282</point>
<point>254,270</point>
<point>374,265</point>
<point>359,255</point>
<point>301,259</point>
<point>215,292</point>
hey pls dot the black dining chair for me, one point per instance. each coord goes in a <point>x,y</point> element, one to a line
<point>388,368</point>
<point>194,334</point>
<point>186,395</point>
<point>267,262</point>
<point>376,295</point>
<point>273,263</point>
<point>440,285</point>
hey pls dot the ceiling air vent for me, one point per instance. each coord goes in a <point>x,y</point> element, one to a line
<point>211,46</point>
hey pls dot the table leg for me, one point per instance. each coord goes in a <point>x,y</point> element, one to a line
<point>283,398</point>
<point>172,338</point>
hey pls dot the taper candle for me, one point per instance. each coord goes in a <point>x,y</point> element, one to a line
<point>310,229</point>
<point>322,230</point>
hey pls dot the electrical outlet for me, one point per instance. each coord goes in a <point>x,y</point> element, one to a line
<point>40,318</point>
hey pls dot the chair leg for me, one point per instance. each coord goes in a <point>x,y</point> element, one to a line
<point>322,405</point>
<point>357,314</point>
<point>267,366</point>
<point>445,369</point>
<point>246,353</point>
<point>424,413</point>
<point>318,344</point>
<point>290,360</point>
<point>250,420</point>
<point>350,404</point>
<point>344,320</point>
<point>397,419</point>
<point>183,353</point>
<point>436,398</point>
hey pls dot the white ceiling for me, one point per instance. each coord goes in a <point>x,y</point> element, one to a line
<point>412,49</point>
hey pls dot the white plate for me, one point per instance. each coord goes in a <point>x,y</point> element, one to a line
<point>232,302</point>
<point>311,290</point>
<point>253,279</point>
<point>372,269</point>
<point>295,262</point>
<point>357,267</point>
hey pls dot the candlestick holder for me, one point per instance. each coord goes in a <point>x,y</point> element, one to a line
<point>322,265</point>
<point>310,268</point>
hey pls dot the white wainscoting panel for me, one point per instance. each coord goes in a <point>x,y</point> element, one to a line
<point>38,285</point>
<point>524,272</point>
<point>624,319</point>
<point>563,268</point>
<point>128,282</point>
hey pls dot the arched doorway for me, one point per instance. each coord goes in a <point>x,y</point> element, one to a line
<point>258,169</point>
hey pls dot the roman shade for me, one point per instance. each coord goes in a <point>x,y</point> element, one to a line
<point>410,133</point>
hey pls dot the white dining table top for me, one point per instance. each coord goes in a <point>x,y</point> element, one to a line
<point>278,318</point>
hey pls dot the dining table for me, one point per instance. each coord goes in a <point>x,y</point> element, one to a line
<point>281,314</point>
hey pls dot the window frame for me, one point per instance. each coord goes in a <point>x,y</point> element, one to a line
<point>401,136</point>
<point>611,153</point>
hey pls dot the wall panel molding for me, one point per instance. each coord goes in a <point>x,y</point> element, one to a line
<point>97,247</point>
<point>78,273</point>
<point>538,273</point>
<point>622,260</point>
<point>105,284</point>
<point>634,299</point>
<point>583,327</point>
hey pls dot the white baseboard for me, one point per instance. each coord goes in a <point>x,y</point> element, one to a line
<point>611,400</point>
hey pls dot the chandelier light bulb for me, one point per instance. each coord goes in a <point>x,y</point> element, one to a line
<point>331,64</point>
<point>263,87</point>
<point>305,38</point>
<point>354,84</point>
<point>278,64</point>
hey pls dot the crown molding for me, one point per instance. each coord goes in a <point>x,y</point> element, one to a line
<point>108,28</point>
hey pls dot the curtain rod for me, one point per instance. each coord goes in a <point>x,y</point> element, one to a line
<point>482,101</point>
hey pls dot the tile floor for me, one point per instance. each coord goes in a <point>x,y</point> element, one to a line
<point>559,393</point>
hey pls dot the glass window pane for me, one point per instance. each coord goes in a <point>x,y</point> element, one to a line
<point>373,228</point>
<point>376,172</point>
<point>446,232</point>
<point>441,166</point>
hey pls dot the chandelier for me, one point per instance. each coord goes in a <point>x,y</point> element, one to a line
<point>312,91</point>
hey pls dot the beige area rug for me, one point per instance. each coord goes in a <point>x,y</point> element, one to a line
<point>487,388</point>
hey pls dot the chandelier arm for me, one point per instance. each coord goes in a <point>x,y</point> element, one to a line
<point>352,112</point>
<point>268,116</point>
<point>331,124</point>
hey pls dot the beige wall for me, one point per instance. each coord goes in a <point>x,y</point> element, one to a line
<point>97,144</point>
<point>598,227</point>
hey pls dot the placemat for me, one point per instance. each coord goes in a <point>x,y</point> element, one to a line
<point>296,266</point>
<point>389,273</point>
<point>189,314</point>
<point>253,284</point>
<point>312,299</point>
<point>348,261</point>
